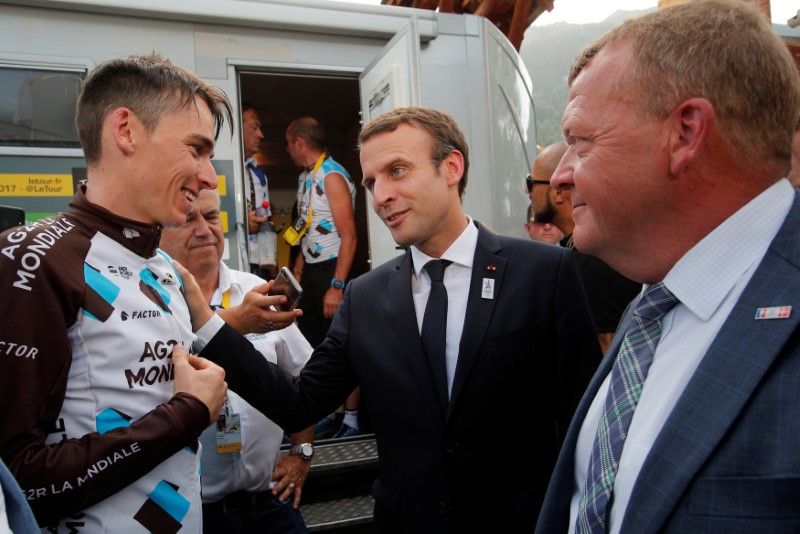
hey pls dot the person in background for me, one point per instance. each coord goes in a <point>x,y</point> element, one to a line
<point>326,202</point>
<point>256,189</point>
<point>247,487</point>
<point>465,335</point>
<point>608,291</point>
<point>537,231</point>
<point>699,439</point>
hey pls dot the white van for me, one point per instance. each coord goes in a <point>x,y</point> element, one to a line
<point>340,63</point>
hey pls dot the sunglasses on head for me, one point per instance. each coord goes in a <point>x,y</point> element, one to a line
<point>530,182</point>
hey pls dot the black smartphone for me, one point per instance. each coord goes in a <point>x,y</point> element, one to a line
<point>286,284</point>
<point>11,217</point>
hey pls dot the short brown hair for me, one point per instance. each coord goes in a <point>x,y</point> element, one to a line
<point>309,129</point>
<point>147,85</point>
<point>722,50</point>
<point>447,136</point>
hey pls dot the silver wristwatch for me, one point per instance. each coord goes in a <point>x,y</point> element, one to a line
<point>304,450</point>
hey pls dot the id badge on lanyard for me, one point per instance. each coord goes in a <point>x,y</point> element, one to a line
<point>295,232</point>
<point>229,431</point>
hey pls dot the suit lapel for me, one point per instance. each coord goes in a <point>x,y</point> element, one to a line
<point>486,265</point>
<point>555,510</point>
<point>734,366</point>
<point>405,319</point>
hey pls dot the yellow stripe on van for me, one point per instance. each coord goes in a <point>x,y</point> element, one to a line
<point>36,185</point>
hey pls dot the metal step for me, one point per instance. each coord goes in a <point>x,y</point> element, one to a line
<point>336,494</point>
<point>345,454</point>
<point>338,514</point>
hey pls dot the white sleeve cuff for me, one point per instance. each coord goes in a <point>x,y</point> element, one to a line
<point>207,331</point>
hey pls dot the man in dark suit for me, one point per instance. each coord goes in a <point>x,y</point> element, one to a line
<point>519,347</point>
<point>675,164</point>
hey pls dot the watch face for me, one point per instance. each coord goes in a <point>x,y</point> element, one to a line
<point>306,450</point>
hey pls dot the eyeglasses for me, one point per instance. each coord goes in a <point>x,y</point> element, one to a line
<point>530,182</point>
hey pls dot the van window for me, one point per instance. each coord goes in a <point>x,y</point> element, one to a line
<point>37,107</point>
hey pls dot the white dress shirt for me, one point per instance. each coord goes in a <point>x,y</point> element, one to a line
<point>708,281</point>
<point>457,278</point>
<point>251,468</point>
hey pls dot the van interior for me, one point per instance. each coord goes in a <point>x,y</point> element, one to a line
<point>331,98</point>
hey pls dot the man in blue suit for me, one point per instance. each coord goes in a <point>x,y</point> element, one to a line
<point>15,513</point>
<point>519,347</point>
<point>679,126</point>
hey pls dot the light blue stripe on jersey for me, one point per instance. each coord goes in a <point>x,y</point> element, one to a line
<point>110,419</point>
<point>329,165</point>
<point>104,287</point>
<point>170,500</point>
<point>149,279</point>
<point>169,259</point>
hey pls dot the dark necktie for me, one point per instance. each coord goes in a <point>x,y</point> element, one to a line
<point>627,379</point>
<point>434,328</point>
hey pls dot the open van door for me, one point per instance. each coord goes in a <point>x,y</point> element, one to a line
<point>391,81</point>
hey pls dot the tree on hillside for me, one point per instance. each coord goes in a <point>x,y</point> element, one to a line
<point>547,52</point>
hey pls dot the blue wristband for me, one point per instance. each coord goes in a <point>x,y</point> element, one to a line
<point>338,284</point>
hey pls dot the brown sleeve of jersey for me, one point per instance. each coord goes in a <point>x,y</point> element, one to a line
<point>62,479</point>
<point>41,295</point>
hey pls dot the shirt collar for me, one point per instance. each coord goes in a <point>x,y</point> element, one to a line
<point>223,285</point>
<point>705,275</point>
<point>461,251</point>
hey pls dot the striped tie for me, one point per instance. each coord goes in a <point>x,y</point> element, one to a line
<point>627,378</point>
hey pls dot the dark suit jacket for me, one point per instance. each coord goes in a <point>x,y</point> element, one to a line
<point>607,291</point>
<point>728,457</point>
<point>525,358</point>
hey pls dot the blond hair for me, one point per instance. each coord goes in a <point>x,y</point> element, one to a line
<point>722,50</point>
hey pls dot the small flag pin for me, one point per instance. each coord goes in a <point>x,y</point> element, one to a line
<point>491,268</point>
<point>774,312</point>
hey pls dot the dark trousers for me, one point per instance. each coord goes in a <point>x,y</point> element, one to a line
<point>260,272</point>
<point>269,515</point>
<point>316,281</point>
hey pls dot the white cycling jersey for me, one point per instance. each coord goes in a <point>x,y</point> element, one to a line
<point>92,430</point>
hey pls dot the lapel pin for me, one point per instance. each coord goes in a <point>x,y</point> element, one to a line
<point>491,268</point>
<point>775,312</point>
<point>487,289</point>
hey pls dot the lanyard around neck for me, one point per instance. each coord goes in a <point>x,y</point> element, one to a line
<point>226,301</point>
<point>320,160</point>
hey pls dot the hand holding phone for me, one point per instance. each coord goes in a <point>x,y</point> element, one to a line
<point>286,284</point>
